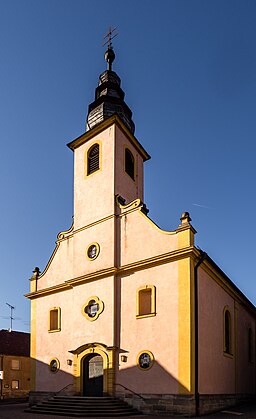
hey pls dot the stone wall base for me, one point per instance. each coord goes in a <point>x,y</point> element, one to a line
<point>161,404</point>
<point>184,405</point>
<point>209,403</point>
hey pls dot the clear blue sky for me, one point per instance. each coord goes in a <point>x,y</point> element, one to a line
<point>188,68</point>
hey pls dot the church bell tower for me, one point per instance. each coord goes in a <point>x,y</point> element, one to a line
<point>108,159</point>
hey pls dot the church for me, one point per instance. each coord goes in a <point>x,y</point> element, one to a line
<point>125,309</point>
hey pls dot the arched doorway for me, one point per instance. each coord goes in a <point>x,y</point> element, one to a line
<point>93,375</point>
<point>90,350</point>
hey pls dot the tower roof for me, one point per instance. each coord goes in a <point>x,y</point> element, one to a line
<point>109,98</point>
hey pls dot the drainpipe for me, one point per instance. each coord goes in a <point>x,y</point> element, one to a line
<point>201,259</point>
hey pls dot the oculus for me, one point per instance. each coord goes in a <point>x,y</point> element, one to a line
<point>54,365</point>
<point>92,308</point>
<point>145,360</point>
<point>93,251</point>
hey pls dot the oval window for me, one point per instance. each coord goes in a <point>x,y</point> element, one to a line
<point>54,365</point>
<point>93,251</point>
<point>145,360</point>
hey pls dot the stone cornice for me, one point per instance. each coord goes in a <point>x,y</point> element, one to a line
<point>134,266</point>
<point>215,272</point>
<point>104,125</point>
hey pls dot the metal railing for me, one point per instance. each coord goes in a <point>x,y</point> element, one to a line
<point>58,392</point>
<point>133,392</point>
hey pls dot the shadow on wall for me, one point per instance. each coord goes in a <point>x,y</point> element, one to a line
<point>49,379</point>
<point>153,390</point>
<point>148,389</point>
<point>151,378</point>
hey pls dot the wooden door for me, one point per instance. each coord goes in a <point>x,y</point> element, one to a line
<point>93,375</point>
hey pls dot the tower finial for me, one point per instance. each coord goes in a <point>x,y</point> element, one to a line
<point>109,54</point>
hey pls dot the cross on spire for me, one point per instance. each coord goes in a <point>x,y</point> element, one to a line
<point>110,37</point>
<point>109,54</point>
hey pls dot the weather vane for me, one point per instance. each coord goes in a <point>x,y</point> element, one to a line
<point>109,54</point>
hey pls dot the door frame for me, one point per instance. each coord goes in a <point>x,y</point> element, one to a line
<point>107,354</point>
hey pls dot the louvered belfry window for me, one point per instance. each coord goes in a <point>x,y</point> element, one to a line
<point>129,163</point>
<point>93,163</point>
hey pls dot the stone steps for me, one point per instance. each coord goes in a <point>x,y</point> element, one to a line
<point>83,406</point>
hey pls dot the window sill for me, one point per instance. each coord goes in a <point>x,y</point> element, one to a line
<point>54,331</point>
<point>142,316</point>
<point>228,355</point>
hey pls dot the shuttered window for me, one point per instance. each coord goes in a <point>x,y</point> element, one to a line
<point>129,163</point>
<point>54,320</point>
<point>146,301</point>
<point>93,160</point>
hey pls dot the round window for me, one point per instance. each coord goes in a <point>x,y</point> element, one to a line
<point>145,360</point>
<point>54,365</point>
<point>93,251</point>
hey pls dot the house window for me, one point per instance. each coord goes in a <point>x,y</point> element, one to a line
<point>146,301</point>
<point>227,332</point>
<point>54,320</point>
<point>15,364</point>
<point>250,345</point>
<point>15,384</point>
<point>129,163</point>
<point>93,159</point>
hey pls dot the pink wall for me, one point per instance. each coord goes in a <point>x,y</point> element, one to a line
<point>245,371</point>
<point>124,185</point>
<point>218,372</point>
<point>158,334</point>
<point>76,330</point>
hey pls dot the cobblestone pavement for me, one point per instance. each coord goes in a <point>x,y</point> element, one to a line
<point>16,411</point>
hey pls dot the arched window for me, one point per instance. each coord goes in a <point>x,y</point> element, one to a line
<point>129,163</point>
<point>146,301</point>
<point>227,331</point>
<point>93,159</point>
<point>250,345</point>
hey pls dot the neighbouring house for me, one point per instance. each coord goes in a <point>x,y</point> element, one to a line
<point>14,364</point>
<point>127,309</point>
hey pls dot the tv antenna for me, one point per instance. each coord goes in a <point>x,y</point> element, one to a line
<point>11,317</point>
